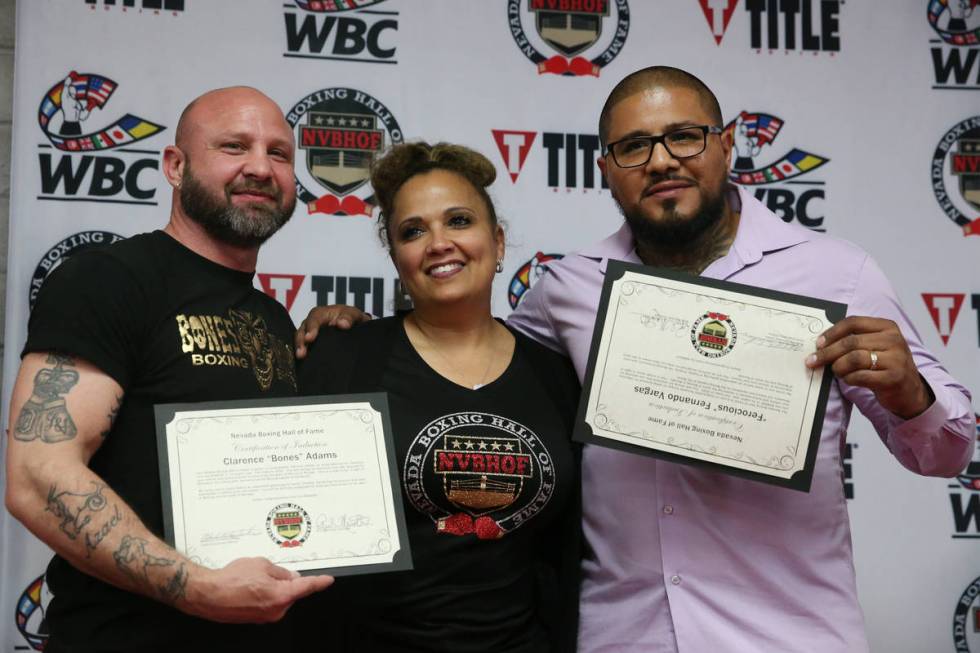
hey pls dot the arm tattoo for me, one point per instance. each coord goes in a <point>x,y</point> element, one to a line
<point>135,561</point>
<point>93,541</point>
<point>176,587</point>
<point>45,414</point>
<point>75,509</point>
<point>113,413</point>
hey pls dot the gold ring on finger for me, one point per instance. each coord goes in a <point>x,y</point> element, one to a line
<point>874,360</point>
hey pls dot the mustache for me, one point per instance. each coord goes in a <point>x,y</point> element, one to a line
<point>657,179</point>
<point>267,187</point>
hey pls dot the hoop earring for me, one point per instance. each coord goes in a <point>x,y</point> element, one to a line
<point>500,266</point>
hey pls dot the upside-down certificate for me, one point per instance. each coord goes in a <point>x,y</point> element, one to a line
<point>707,372</point>
<point>309,483</point>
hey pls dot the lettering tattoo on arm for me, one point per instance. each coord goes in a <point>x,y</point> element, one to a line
<point>45,415</point>
<point>75,509</point>
<point>133,559</point>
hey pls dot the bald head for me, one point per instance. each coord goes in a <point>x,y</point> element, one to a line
<point>206,107</point>
<point>654,77</point>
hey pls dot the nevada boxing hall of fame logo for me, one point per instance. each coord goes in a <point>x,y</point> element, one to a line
<point>527,275</point>
<point>955,174</point>
<point>478,474</point>
<point>966,619</point>
<point>288,525</point>
<point>786,185</point>
<point>569,37</point>
<point>29,615</point>
<point>339,132</point>
<point>76,164</point>
<point>713,334</point>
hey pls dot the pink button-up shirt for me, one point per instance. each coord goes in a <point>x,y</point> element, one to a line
<point>687,560</point>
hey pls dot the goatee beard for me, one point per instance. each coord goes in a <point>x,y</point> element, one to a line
<point>674,231</point>
<point>228,223</point>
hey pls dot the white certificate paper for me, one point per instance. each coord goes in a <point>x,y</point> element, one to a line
<point>707,372</point>
<point>309,483</point>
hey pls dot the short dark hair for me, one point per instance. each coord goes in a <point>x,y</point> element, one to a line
<point>652,77</point>
<point>406,160</point>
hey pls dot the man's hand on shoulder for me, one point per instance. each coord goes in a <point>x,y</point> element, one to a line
<point>335,315</point>
<point>249,590</point>
<point>872,353</point>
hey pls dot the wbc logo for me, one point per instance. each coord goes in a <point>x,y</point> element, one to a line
<point>751,133</point>
<point>341,131</point>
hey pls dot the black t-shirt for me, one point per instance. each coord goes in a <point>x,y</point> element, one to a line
<point>487,479</point>
<point>169,326</point>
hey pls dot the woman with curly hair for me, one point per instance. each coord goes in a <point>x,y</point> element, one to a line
<point>482,418</point>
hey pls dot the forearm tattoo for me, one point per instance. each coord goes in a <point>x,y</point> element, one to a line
<point>45,414</point>
<point>133,559</point>
<point>75,509</point>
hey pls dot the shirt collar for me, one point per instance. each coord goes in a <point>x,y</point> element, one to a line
<point>759,231</point>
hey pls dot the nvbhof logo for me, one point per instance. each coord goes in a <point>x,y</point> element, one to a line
<point>955,175</point>
<point>527,275</point>
<point>288,525</point>
<point>966,619</point>
<point>713,334</point>
<point>61,252</point>
<point>339,132</point>
<point>71,101</point>
<point>29,615</point>
<point>957,22</point>
<point>569,37</point>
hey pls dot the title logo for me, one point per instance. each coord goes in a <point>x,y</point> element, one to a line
<point>341,30</point>
<point>718,13</point>
<point>30,613</point>
<point>527,275</point>
<point>805,26</point>
<point>713,335</point>
<point>288,525</point>
<point>956,175</point>
<point>341,131</point>
<point>956,53</point>
<point>154,6</point>
<point>573,38</point>
<point>77,148</point>
<point>753,134</point>
<point>966,619</point>
<point>375,295</point>
<point>61,252</point>
<point>964,496</point>
<point>944,308</point>
<point>478,474</point>
<point>513,147</point>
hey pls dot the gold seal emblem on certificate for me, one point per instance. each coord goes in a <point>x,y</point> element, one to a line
<point>713,334</point>
<point>288,525</point>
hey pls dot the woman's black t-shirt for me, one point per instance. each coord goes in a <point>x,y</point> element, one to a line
<point>488,480</point>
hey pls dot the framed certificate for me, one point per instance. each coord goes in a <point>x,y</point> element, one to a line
<point>708,373</point>
<point>308,482</point>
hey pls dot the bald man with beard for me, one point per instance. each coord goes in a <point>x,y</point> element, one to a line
<point>164,317</point>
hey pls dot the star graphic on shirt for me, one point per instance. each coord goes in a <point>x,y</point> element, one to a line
<point>469,444</point>
<point>456,444</point>
<point>331,121</point>
<point>343,122</point>
<point>495,446</point>
<point>509,446</point>
<point>482,445</point>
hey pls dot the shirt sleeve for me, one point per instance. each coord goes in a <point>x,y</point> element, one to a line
<point>533,315</point>
<point>939,442</point>
<point>91,307</point>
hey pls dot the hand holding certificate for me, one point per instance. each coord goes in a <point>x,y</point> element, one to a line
<point>308,483</point>
<point>707,372</point>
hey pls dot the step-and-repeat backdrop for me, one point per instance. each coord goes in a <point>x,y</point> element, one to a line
<point>862,121</point>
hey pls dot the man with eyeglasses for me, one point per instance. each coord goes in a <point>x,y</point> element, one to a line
<point>682,559</point>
